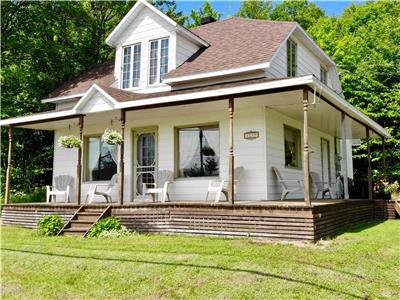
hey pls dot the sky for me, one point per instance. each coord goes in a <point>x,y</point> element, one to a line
<point>229,7</point>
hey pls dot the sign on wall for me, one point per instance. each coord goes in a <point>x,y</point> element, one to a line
<point>251,135</point>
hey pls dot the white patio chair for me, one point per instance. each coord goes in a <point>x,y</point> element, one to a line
<point>218,186</point>
<point>283,182</point>
<point>62,187</point>
<point>93,189</point>
<point>319,186</point>
<point>160,187</point>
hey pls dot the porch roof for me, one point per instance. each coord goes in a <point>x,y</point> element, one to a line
<point>134,101</point>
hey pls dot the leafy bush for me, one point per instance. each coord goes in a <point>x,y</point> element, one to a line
<point>69,141</point>
<point>37,195</point>
<point>106,224</point>
<point>50,225</point>
<point>114,233</point>
<point>112,137</point>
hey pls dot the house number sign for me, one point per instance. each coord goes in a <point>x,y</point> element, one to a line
<point>251,135</point>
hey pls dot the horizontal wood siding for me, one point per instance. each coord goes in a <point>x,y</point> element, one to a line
<point>277,222</point>
<point>331,219</point>
<point>184,49</point>
<point>28,217</point>
<point>221,221</point>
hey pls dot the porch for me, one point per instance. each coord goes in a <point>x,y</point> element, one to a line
<point>276,220</point>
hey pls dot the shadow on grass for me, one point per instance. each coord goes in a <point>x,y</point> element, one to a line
<point>254,272</point>
<point>362,227</point>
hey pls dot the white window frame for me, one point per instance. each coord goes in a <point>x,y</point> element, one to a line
<point>158,68</point>
<point>323,74</point>
<point>130,84</point>
<point>289,63</point>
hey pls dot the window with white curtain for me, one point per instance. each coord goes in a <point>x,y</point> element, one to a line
<point>101,159</point>
<point>131,66</point>
<point>158,60</point>
<point>198,151</point>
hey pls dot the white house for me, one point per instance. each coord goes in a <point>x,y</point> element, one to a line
<point>171,87</point>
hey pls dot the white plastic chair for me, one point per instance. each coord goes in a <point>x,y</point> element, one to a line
<point>319,186</point>
<point>285,189</point>
<point>160,187</point>
<point>62,187</point>
<point>218,186</point>
<point>106,193</point>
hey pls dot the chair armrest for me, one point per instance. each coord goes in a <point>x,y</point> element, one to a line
<point>290,180</point>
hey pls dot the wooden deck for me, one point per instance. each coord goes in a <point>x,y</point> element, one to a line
<point>279,220</point>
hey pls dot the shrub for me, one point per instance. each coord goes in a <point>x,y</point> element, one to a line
<point>114,233</point>
<point>106,224</point>
<point>37,195</point>
<point>50,225</point>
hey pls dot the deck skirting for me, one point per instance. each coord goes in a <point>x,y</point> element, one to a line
<point>276,222</point>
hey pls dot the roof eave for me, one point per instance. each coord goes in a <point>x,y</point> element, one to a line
<point>226,72</point>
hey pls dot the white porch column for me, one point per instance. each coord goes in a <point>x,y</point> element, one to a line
<point>306,152</point>
<point>231,185</point>
<point>343,129</point>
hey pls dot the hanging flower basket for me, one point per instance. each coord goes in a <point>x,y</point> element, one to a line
<point>69,141</point>
<point>112,137</point>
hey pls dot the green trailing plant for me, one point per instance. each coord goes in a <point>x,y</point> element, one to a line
<point>50,225</point>
<point>112,137</point>
<point>69,141</point>
<point>208,151</point>
<point>106,224</point>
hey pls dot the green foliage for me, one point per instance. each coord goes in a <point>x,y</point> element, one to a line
<point>69,141</point>
<point>115,233</point>
<point>168,7</point>
<point>303,12</point>
<point>50,225</point>
<point>207,10</point>
<point>106,224</point>
<point>255,9</point>
<point>112,137</point>
<point>364,43</point>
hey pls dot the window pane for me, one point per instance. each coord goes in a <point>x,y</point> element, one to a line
<point>153,61</point>
<point>288,58</point>
<point>126,67</point>
<point>323,75</point>
<point>164,58</point>
<point>294,59</point>
<point>101,160</point>
<point>291,57</point>
<point>199,151</point>
<point>292,147</point>
<point>137,50</point>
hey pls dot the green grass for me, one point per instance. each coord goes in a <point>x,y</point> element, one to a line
<point>362,263</point>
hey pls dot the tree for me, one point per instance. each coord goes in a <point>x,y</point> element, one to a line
<point>205,11</point>
<point>364,43</point>
<point>169,8</point>
<point>303,12</point>
<point>255,9</point>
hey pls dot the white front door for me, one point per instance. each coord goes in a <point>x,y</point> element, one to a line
<point>145,159</point>
<point>325,161</point>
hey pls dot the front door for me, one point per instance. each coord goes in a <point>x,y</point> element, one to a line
<point>325,161</point>
<point>145,159</point>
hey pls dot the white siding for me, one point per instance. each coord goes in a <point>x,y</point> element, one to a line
<point>275,152</point>
<point>307,64</point>
<point>65,105</point>
<point>248,153</point>
<point>146,27</point>
<point>184,49</point>
<point>96,103</point>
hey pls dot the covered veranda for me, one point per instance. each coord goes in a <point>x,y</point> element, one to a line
<point>305,101</point>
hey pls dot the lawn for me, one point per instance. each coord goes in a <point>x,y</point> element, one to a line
<point>362,263</point>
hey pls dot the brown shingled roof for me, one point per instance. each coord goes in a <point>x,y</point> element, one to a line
<point>102,74</point>
<point>235,43</point>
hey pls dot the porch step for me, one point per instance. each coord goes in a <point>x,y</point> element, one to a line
<point>83,220</point>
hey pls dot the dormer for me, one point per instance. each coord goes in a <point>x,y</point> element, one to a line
<point>148,45</point>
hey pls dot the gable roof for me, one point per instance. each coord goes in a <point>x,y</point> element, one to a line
<point>103,75</point>
<point>235,43</point>
<point>130,16</point>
